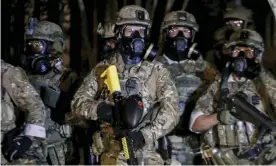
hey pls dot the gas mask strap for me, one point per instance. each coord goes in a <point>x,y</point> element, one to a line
<point>148,51</point>
<point>191,50</point>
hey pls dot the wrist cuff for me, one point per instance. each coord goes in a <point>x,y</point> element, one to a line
<point>35,131</point>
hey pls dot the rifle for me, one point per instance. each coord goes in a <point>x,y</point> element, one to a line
<point>131,113</point>
<point>247,112</point>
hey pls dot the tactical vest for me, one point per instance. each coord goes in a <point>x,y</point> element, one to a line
<point>241,134</point>
<point>48,86</point>
<point>186,82</point>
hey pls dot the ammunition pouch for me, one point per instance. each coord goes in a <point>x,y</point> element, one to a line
<point>226,156</point>
<point>165,149</point>
<point>49,94</point>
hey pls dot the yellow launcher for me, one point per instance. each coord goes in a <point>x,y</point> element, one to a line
<point>113,85</point>
<point>112,79</point>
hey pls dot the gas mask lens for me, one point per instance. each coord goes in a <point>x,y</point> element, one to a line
<point>245,51</point>
<point>130,30</point>
<point>35,46</point>
<point>236,24</point>
<point>186,32</point>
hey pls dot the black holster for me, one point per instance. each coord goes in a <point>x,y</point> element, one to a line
<point>165,149</point>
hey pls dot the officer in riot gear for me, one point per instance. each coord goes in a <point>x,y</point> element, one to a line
<point>235,18</point>
<point>187,68</point>
<point>138,75</point>
<point>229,139</point>
<point>42,61</point>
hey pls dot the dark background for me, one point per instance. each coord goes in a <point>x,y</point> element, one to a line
<point>80,24</point>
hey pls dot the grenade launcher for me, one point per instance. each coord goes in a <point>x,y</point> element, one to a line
<point>127,113</point>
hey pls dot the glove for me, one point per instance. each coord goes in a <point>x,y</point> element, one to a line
<point>226,117</point>
<point>135,138</point>
<point>17,148</point>
<point>271,154</point>
<point>104,112</point>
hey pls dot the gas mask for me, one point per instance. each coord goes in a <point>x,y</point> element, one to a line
<point>245,63</point>
<point>133,43</point>
<point>235,24</point>
<point>37,57</point>
<point>178,44</point>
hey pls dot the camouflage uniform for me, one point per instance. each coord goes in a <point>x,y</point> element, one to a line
<point>224,138</point>
<point>269,82</point>
<point>149,79</point>
<point>18,95</point>
<point>190,78</point>
<point>221,35</point>
<point>50,86</point>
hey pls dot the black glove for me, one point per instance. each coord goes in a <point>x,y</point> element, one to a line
<point>104,112</point>
<point>135,138</point>
<point>17,148</point>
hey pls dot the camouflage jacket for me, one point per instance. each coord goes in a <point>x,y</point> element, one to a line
<point>18,95</point>
<point>267,88</point>
<point>206,105</point>
<point>151,80</point>
<point>191,79</point>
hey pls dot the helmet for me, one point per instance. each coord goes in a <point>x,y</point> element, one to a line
<point>240,13</point>
<point>179,18</point>
<point>247,37</point>
<point>45,30</point>
<point>223,34</point>
<point>106,31</point>
<point>133,14</point>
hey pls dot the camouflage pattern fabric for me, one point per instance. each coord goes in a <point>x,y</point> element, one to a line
<point>111,152</point>
<point>241,13</point>
<point>129,15</point>
<point>247,37</point>
<point>241,135</point>
<point>150,80</point>
<point>58,136</point>
<point>179,18</point>
<point>18,95</point>
<point>270,91</point>
<point>191,78</point>
<point>45,30</point>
